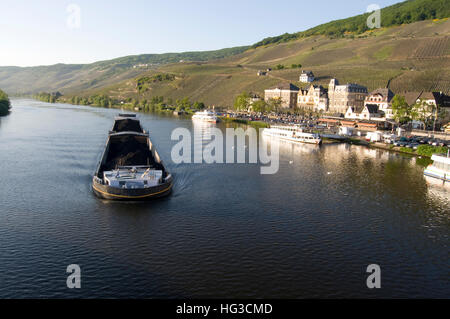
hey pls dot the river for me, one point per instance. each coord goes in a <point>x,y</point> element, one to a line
<point>309,231</point>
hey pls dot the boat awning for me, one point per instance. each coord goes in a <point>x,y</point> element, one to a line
<point>328,121</point>
<point>367,125</point>
<point>348,123</point>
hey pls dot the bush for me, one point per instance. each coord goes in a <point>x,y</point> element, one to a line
<point>406,150</point>
<point>5,104</point>
<point>429,150</point>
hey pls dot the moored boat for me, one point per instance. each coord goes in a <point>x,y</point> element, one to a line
<point>130,167</point>
<point>293,134</point>
<point>440,168</point>
<point>205,116</point>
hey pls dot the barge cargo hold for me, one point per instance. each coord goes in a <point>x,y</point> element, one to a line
<point>130,168</point>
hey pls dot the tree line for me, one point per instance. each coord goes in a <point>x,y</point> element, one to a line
<point>5,104</point>
<point>48,97</point>
<point>156,103</point>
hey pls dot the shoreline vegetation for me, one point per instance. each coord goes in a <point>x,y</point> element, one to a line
<point>155,104</point>
<point>5,104</point>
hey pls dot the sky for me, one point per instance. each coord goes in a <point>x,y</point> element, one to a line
<point>48,32</point>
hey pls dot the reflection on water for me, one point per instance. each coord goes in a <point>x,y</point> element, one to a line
<point>438,189</point>
<point>226,231</point>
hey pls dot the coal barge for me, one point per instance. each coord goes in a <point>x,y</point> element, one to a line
<point>130,168</point>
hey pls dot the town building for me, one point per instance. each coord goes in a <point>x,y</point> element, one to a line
<point>341,97</point>
<point>287,93</point>
<point>370,112</point>
<point>262,73</point>
<point>307,77</point>
<point>382,98</point>
<point>435,99</point>
<point>313,99</point>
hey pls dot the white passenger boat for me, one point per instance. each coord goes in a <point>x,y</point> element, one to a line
<point>205,116</point>
<point>440,168</point>
<point>293,134</point>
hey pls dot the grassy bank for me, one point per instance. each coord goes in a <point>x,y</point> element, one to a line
<point>255,124</point>
<point>422,150</point>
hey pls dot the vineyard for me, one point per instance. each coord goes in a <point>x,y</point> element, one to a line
<point>432,48</point>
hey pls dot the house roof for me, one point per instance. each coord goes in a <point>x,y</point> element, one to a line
<point>440,98</point>
<point>427,96</point>
<point>285,86</point>
<point>372,108</point>
<point>357,109</point>
<point>411,97</point>
<point>385,92</point>
<point>307,72</point>
<point>443,99</point>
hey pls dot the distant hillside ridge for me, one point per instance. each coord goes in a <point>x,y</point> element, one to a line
<point>401,13</point>
<point>78,77</point>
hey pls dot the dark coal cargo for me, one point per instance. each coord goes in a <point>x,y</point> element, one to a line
<point>130,168</point>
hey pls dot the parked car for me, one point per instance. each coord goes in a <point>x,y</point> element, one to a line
<point>412,145</point>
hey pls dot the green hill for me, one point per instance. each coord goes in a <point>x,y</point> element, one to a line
<point>412,57</point>
<point>78,77</point>
<point>401,13</point>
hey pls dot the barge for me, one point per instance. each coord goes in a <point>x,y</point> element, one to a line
<point>130,168</point>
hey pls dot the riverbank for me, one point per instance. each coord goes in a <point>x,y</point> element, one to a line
<point>255,124</point>
<point>425,151</point>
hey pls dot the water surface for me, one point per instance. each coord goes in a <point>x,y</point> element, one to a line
<point>226,231</point>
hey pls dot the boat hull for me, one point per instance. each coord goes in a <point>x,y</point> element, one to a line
<point>294,140</point>
<point>205,120</point>
<point>119,194</point>
<point>438,175</point>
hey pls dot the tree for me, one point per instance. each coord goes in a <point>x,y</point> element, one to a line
<point>401,109</point>
<point>274,105</point>
<point>183,104</point>
<point>259,106</point>
<point>279,67</point>
<point>198,106</point>
<point>422,111</point>
<point>5,104</point>
<point>242,102</point>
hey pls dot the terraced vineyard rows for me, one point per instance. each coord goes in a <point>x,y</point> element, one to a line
<point>432,48</point>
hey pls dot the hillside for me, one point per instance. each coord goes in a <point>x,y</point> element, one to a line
<point>412,57</point>
<point>79,77</point>
<point>406,54</point>
<point>398,14</point>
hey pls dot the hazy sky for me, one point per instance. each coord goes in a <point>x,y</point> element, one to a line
<point>47,31</point>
